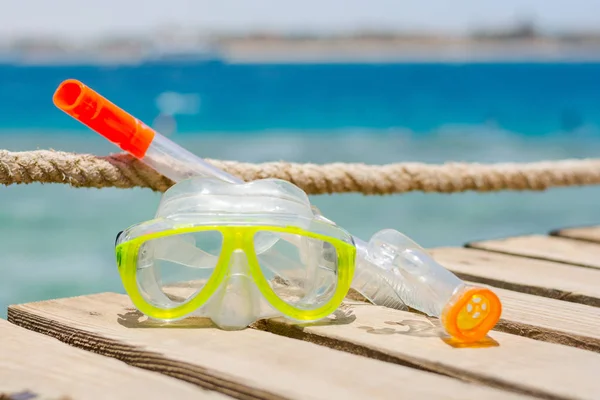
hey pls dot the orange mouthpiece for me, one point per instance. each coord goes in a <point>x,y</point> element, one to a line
<point>471,313</point>
<point>103,117</point>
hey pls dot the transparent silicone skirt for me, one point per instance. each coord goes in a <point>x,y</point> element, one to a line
<point>172,270</point>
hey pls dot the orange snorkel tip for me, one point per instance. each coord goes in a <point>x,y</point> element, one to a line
<point>97,113</point>
<point>68,94</point>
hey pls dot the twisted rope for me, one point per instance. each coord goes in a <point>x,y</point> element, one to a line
<point>124,171</point>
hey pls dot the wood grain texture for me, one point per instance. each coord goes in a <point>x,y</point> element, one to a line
<point>248,364</point>
<point>540,278</point>
<point>46,368</point>
<point>550,320</point>
<point>544,370</point>
<point>587,233</point>
<point>541,318</point>
<point>550,248</point>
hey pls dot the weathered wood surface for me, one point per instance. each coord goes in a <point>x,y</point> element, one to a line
<point>550,320</point>
<point>253,364</point>
<point>541,318</point>
<point>40,367</point>
<point>550,248</point>
<point>503,360</point>
<point>547,344</point>
<point>589,233</point>
<point>537,277</point>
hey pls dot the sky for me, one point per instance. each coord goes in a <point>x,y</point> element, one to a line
<point>82,19</point>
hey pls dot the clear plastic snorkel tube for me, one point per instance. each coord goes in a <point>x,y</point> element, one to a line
<point>391,270</point>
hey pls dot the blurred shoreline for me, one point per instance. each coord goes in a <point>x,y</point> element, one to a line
<point>522,43</point>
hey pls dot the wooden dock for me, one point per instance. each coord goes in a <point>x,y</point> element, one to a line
<point>546,346</point>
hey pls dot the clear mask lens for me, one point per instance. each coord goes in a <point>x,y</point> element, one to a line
<point>302,271</point>
<point>171,270</point>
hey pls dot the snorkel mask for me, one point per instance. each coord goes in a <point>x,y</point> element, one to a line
<point>236,253</point>
<point>391,269</point>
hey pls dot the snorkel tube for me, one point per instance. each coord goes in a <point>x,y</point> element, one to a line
<point>391,269</point>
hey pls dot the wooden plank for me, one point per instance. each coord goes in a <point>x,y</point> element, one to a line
<point>247,364</point>
<point>549,320</point>
<point>541,318</point>
<point>588,233</point>
<point>550,248</point>
<point>545,370</point>
<point>37,366</point>
<point>541,278</point>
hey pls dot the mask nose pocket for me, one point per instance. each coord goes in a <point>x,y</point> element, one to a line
<point>237,302</point>
<point>171,270</point>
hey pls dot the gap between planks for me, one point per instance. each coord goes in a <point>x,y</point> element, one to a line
<point>540,299</point>
<point>549,248</point>
<point>248,364</point>
<point>521,274</point>
<point>36,366</point>
<point>585,233</point>
<point>503,361</point>
<point>537,317</point>
<point>549,320</point>
<point>519,319</point>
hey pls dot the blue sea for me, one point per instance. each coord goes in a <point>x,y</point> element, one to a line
<point>58,241</point>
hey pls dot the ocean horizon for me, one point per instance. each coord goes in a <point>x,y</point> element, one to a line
<point>58,241</point>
